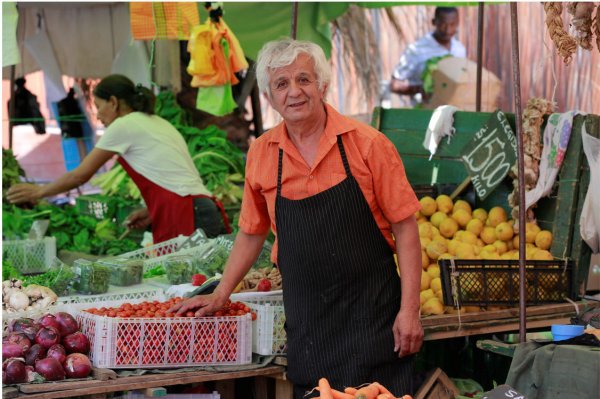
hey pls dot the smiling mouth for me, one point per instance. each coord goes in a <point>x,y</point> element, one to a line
<point>296,105</point>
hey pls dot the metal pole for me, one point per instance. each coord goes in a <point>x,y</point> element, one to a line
<point>514,25</point>
<point>11,106</point>
<point>479,56</point>
<point>294,20</point>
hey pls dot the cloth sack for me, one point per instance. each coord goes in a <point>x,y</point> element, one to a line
<point>440,125</point>
<point>589,224</point>
<point>556,139</point>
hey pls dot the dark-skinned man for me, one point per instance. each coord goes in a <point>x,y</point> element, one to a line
<point>406,78</point>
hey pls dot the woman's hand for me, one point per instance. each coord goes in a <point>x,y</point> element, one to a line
<point>24,193</point>
<point>201,305</point>
<point>139,219</point>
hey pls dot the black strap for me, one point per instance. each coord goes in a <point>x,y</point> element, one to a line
<point>343,153</point>
<point>279,172</point>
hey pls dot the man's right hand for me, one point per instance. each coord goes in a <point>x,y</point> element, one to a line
<point>201,305</point>
<point>139,219</point>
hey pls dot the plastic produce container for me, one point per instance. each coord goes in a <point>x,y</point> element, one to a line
<point>124,272</point>
<point>179,269</point>
<point>560,332</point>
<point>93,277</point>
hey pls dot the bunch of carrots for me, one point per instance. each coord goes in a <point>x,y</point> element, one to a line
<point>371,391</point>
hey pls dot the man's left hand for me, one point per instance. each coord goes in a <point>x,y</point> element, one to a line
<point>408,332</point>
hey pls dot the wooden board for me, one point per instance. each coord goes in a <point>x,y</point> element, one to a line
<point>65,389</point>
<point>437,385</point>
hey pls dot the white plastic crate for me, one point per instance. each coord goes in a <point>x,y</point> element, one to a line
<point>143,292</point>
<point>166,342</point>
<point>30,256</point>
<point>213,395</point>
<point>156,250</point>
<point>268,332</point>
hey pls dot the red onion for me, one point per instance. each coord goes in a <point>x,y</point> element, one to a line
<point>47,336</point>
<point>48,320</point>
<point>13,371</point>
<point>50,369</point>
<point>10,349</point>
<point>31,331</point>
<point>77,365</point>
<point>17,338</point>
<point>76,342</point>
<point>67,323</point>
<point>36,352</point>
<point>58,352</point>
<point>19,324</point>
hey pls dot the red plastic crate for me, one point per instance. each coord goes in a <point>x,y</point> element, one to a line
<point>167,342</point>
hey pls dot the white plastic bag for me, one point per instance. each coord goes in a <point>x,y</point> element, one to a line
<point>590,213</point>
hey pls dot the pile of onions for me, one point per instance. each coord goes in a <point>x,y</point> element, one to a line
<point>51,347</point>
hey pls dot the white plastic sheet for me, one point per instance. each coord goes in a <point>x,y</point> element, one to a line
<point>590,213</point>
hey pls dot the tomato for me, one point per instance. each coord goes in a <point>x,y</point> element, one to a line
<point>189,313</point>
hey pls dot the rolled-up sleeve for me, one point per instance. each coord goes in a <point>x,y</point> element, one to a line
<point>254,215</point>
<point>393,192</point>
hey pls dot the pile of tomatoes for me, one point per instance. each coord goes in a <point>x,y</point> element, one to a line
<point>151,309</point>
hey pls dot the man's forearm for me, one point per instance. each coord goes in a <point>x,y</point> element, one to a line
<point>408,250</point>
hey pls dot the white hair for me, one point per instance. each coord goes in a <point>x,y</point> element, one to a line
<point>283,52</point>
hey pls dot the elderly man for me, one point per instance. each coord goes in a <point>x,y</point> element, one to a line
<point>406,78</point>
<point>335,194</point>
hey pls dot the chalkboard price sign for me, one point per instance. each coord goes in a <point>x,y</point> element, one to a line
<point>503,392</point>
<point>491,154</point>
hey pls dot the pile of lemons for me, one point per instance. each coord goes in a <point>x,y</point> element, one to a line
<point>451,229</point>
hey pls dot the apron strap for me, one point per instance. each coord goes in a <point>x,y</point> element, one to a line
<point>279,167</point>
<point>343,153</point>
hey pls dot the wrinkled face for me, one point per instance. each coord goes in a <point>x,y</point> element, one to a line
<point>446,26</point>
<point>107,109</point>
<point>295,91</point>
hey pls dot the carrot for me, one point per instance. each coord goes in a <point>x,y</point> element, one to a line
<point>350,390</point>
<point>383,389</point>
<point>325,389</point>
<point>385,396</point>
<point>369,392</point>
<point>341,395</point>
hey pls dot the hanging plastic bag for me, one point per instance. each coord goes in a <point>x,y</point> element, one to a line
<point>590,213</point>
<point>217,100</point>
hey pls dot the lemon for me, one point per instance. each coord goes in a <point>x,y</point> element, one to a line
<point>426,295</point>
<point>437,218</point>
<point>504,231</point>
<point>444,203</point>
<point>542,254</point>
<point>433,270</point>
<point>469,238</point>
<point>475,226</point>
<point>462,204</point>
<point>448,227</point>
<point>480,214</point>
<point>432,306</point>
<point>425,281</point>
<point>436,284</point>
<point>531,231</point>
<point>462,217</point>
<point>488,235</point>
<point>428,206</point>
<point>424,242</point>
<point>424,259</point>
<point>465,251</point>
<point>425,230</point>
<point>452,245</point>
<point>496,216</point>
<point>435,249</point>
<point>543,239</point>
<point>446,255</point>
<point>501,246</point>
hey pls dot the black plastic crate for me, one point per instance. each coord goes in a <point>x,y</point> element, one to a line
<point>496,282</point>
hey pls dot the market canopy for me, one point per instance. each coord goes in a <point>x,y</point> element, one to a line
<point>87,36</point>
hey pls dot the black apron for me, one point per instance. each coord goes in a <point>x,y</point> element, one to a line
<point>341,291</point>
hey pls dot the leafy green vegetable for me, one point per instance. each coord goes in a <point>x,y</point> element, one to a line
<point>11,171</point>
<point>156,271</point>
<point>8,271</point>
<point>59,279</point>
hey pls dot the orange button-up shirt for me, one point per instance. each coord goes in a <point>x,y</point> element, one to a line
<point>374,163</point>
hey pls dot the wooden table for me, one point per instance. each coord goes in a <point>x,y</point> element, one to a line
<point>451,326</point>
<point>98,389</point>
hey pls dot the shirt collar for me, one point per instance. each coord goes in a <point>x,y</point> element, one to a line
<point>336,124</point>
